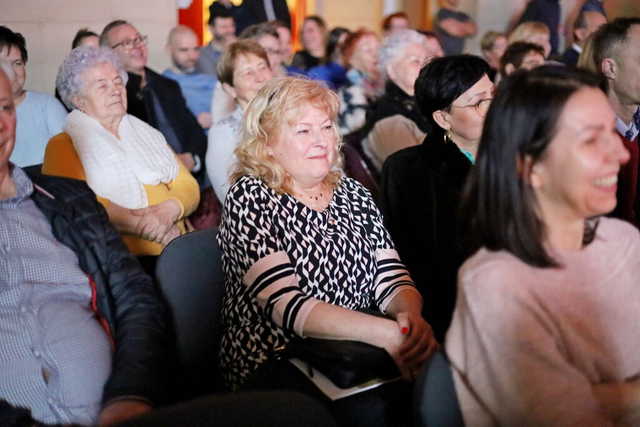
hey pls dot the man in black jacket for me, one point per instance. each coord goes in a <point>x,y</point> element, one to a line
<point>83,329</point>
<point>155,99</point>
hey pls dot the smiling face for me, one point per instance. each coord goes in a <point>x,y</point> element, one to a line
<point>7,124</point>
<point>13,56</point>
<point>130,46</point>
<point>312,35</point>
<point>306,147</point>
<point>465,117</point>
<point>103,95</point>
<point>250,72</point>
<point>577,175</point>
<point>404,70</point>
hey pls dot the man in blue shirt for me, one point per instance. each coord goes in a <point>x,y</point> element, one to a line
<point>197,88</point>
<point>223,29</point>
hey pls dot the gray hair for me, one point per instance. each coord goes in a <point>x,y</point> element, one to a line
<point>69,81</point>
<point>394,44</point>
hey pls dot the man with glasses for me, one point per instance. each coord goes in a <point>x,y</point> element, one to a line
<point>156,99</point>
<point>196,87</point>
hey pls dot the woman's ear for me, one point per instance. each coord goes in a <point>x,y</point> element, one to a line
<point>391,72</point>
<point>509,68</point>
<point>442,119</point>
<point>78,102</point>
<point>533,173</point>
<point>229,89</point>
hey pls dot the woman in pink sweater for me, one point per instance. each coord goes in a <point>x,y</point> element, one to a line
<point>546,326</point>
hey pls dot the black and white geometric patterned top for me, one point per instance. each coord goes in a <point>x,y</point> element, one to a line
<point>280,258</point>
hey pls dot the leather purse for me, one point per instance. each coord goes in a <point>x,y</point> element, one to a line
<point>345,363</point>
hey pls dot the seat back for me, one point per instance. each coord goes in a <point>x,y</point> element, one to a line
<point>189,273</point>
<point>356,168</point>
<point>435,401</point>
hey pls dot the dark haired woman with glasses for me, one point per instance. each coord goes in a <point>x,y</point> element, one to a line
<point>421,185</point>
<point>545,330</point>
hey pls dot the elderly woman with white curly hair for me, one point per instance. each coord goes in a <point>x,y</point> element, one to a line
<point>394,121</point>
<point>145,189</point>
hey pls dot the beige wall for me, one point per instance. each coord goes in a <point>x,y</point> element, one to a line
<point>49,27</point>
<point>351,14</point>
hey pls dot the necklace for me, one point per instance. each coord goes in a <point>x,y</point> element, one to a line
<point>314,197</point>
<point>316,200</point>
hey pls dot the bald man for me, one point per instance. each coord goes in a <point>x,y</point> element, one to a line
<point>197,88</point>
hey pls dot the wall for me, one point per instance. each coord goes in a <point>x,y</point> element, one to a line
<point>360,13</point>
<point>49,27</point>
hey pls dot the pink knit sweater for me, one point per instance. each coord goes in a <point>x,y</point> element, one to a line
<point>527,344</point>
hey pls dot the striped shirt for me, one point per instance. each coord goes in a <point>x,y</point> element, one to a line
<point>281,258</point>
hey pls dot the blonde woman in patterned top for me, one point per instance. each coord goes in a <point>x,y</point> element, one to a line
<point>304,248</point>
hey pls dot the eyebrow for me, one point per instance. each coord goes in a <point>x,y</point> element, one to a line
<point>479,94</point>
<point>311,124</point>
<point>591,127</point>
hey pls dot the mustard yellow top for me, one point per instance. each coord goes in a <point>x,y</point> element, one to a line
<point>61,159</point>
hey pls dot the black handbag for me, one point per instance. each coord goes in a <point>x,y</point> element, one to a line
<point>345,363</point>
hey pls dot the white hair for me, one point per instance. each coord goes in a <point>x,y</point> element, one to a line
<point>394,44</point>
<point>69,79</point>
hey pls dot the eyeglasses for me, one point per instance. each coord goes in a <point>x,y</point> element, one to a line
<point>481,106</point>
<point>129,43</point>
<point>271,51</point>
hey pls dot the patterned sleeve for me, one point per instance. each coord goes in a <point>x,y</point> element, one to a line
<point>392,276</point>
<point>249,238</point>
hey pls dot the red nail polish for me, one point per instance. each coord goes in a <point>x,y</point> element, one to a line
<point>404,330</point>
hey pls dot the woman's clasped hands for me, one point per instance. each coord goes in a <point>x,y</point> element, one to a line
<point>158,222</point>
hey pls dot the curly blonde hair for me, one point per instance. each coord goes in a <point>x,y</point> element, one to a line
<point>275,104</point>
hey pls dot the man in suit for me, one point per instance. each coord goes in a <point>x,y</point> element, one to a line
<point>586,24</point>
<point>155,99</point>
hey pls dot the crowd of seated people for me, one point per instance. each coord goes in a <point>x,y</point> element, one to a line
<point>501,229</point>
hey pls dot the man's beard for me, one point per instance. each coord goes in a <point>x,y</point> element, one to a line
<point>186,70</point>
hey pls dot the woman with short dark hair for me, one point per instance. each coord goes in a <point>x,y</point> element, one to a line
<point>544,328</point>
<point>421,185</point>
<point>40,115</point>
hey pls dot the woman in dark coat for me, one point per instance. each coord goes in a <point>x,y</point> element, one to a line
<point>421,185</point>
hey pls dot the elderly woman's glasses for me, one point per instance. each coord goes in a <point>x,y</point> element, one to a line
<point>130,43</point>
<point>481,106</point>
